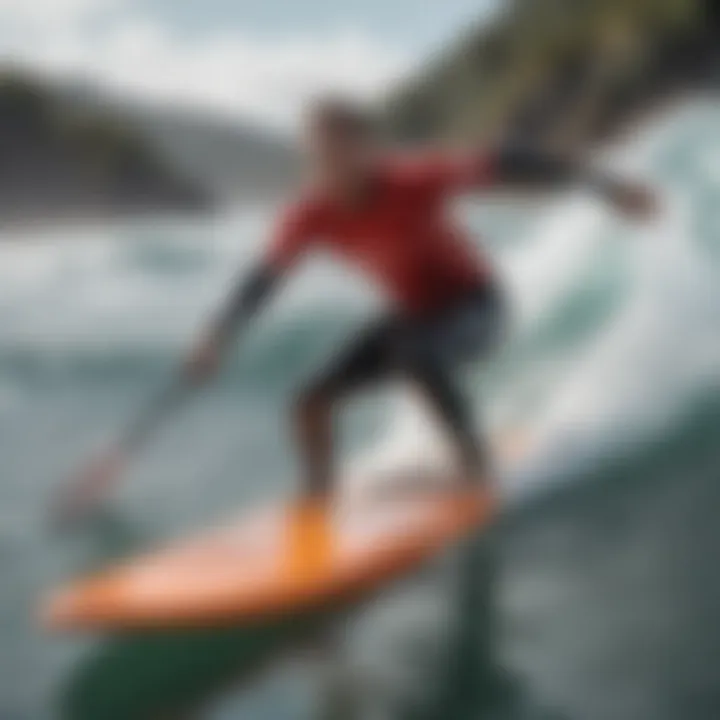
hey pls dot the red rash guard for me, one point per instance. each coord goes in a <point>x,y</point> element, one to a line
<point>402,236</point>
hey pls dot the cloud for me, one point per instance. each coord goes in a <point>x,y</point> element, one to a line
<point>32,15</point>
<point>232,70</point>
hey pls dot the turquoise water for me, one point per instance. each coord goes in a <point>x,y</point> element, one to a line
<point>615,346</point>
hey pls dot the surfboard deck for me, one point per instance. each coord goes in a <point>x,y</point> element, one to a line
<point>280,560</point>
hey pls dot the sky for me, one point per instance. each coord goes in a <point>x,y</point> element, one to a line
<point>259,59</point>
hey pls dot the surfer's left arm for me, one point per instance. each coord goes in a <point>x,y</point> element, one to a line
<point>522,167</point>
<point>515,165</point>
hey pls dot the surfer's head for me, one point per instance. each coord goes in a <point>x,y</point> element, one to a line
<point>340,141</point>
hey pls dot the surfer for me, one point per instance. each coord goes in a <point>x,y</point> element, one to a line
<point>389,217</point>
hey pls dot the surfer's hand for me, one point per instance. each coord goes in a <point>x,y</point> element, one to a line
<point>204,361</point>
<point>635,201</point>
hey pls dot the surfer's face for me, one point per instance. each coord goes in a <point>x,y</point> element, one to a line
<point>340,148</point>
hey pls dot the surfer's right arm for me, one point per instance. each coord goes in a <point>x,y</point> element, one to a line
<point>294,232</point>
<point>249,296</point>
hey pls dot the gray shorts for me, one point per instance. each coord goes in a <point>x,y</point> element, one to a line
<point>468,330</point>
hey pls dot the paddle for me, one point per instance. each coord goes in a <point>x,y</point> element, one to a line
<point>83,494</point>
<point>86,490</point>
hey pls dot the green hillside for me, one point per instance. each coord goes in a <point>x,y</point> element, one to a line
<point>564,71</point>
<point>58,162</point>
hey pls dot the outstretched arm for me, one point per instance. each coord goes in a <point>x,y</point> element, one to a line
<point>517,165</point>
<point>293,235</point>
<point>251,293</point>
<point>249,296</point>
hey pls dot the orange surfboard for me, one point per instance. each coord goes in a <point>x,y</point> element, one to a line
<point>282,560</point>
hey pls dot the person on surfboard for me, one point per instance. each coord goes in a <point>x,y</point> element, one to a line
<point>388,216</point>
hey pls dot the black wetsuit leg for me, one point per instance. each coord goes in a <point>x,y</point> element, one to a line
<point>429,351</point>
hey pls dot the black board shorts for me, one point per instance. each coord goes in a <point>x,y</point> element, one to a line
<point>394,345</point>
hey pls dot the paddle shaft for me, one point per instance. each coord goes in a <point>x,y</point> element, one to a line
<point>152,416</point>
<point>244,302</point>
